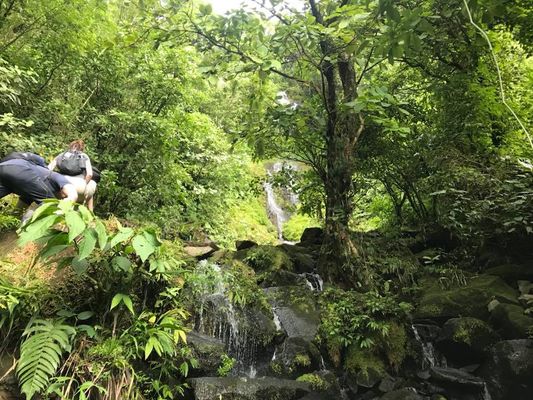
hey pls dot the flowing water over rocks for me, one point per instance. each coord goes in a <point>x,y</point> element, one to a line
<point>277,214</point>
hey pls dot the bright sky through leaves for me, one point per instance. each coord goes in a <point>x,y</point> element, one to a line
<point>222,6</point>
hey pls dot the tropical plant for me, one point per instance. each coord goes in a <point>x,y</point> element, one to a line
<point>41,352</point>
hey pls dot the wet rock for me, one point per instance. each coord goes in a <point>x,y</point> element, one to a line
<point>312,236</point>
<point>281,278</point>
<point>511,273</point>
<point>470,300</point>
<point>368,378</point>
<point>525,287</point>
<point>294,357</point>
<point>387,384</point>
<point>244,244</point>
<point>248,389</point>
<point>301,258</point>
<point>403,394</point>
<point>456,377</point>
<point>511,321</point>
<point>323,382</point>
<point>296,309</point>
<point>465,340</point>
<point>200,252</point>
<point>428,331</point>
<point>509,370</point>
<point>208,351</point>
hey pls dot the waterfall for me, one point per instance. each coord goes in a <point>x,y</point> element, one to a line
<point>429,355</point>
<point>278,215</point>
<point>275,211</point>
<point>218,318</point>
<point>313,281</point>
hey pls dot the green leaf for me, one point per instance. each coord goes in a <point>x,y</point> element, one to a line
<point>122,263</point>
<point>122,236</point>
<point>102,234</point>
<point>85,315</point>
<point>79,266</point>
<point>117,299</point>
<point>35,230</point>
<point>87,244</point>
<point>128,303</point>
<point>75,224</point>
<point>142,247</point>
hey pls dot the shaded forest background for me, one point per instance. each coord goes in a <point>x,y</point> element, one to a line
<point>393,112</point>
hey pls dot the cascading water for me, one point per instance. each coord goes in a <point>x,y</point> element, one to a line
<point>430,357</point>
<point>278,215</point>
<point>218,318</point>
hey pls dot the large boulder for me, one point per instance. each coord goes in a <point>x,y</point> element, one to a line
<point>301,258</point>
<point>511,273</point>
<point>408,393</point>
<point>244,244</point>
<point>208,351</point>
<point>296,309</point>
<point>294,357</point>
<point>465,340</point>
<point>511,321</point>
<point>265,258</point>
<point>470,300</point>
<point>312,236</point>
<point>233,388</point>
<point>509,370</point>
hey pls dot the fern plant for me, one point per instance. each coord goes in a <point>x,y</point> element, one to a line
<point>41,353</point>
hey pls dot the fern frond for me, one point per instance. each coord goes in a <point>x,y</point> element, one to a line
<point>40,354</point>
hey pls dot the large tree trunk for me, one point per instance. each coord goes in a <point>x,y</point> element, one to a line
<point>338,250</point>
<point>342,132</point>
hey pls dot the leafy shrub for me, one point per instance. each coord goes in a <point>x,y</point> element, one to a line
<point>350,317</point>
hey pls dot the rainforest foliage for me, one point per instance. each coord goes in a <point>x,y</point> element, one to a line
<point>401,116</point>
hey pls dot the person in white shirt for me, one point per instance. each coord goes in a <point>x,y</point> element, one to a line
<point>77,168</point>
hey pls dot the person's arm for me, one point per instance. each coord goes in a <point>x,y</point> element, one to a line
<point>88,170</point>
<point>53,164</point>
<point>69,192</point>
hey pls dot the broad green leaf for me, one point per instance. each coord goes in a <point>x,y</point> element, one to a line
<point>87,244</point>
<point>122,263</point>
<point>35,230</point>
<point>75,224</point>
<point>142,247</point>
<point>102,234</point>
<point>122,236</point>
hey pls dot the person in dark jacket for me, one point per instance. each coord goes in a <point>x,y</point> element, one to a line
<point>33,183</point>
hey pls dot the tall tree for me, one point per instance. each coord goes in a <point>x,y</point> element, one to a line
<point>323,55</point>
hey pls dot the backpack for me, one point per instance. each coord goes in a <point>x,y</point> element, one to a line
<point>97,175</point>
<point>71,163</point>
<point>19,155</point>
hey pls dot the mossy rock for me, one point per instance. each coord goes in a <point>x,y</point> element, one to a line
<point>265,258</point>
<point>511,321</point>
<point>470,300</point>
<point>512,273</point>
<point>208,351</point>
<point>364,366</point>
<point>294,357</point>
<point>403,394</point>
<point>465,340</point>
